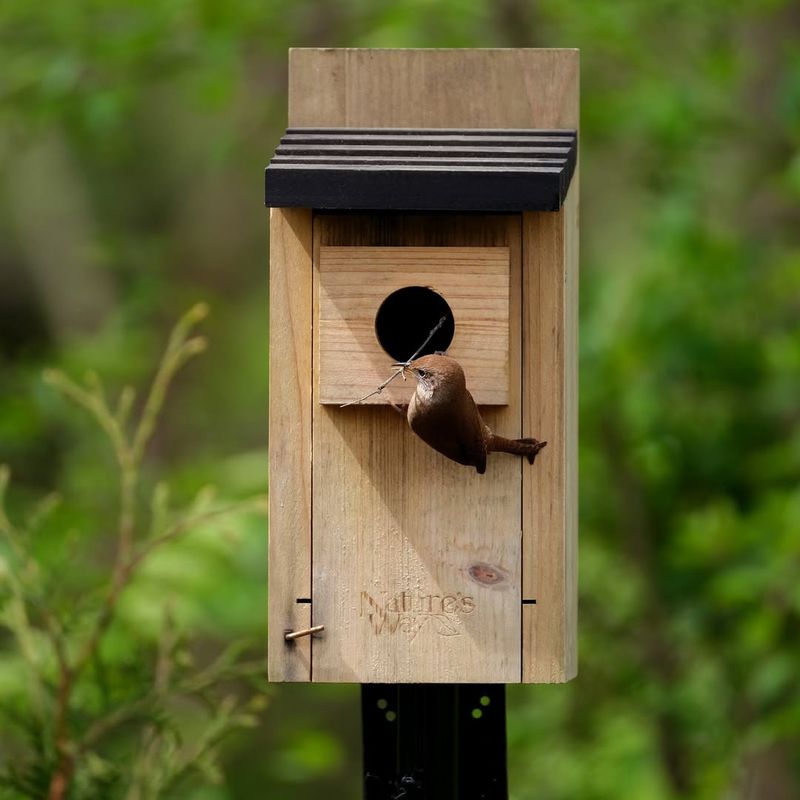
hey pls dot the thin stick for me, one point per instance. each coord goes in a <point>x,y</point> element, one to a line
<point>376,391</point>
<point>425,343</point>
<point>402,364</point>
<point>290,636</point>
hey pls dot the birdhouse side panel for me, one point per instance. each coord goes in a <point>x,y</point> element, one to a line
<point>550,500</point>
<point>289,442</point>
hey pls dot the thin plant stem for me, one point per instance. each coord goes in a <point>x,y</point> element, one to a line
<point>129,453</point>
<point>403,365</point>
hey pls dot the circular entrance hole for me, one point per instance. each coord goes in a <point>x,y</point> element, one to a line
<point>406,318</point>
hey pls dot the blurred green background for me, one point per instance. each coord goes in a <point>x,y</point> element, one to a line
<point>133,137</point>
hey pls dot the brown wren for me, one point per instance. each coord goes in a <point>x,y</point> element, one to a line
<point>444,415</point>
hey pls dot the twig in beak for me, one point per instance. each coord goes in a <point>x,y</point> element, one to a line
<point>376,391</point>
<point>403,366</point>
<point>425,343</point>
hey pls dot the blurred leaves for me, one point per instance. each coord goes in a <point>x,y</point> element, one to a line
<point>307,755</point>
<point>108,706</point>
<point>133,141</point>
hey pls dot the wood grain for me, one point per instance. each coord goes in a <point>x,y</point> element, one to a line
<point>486,88</point>
<point>549,501</point>
<point>289,442</point>
<point>571,496</point>
<point>354,281</point>
<point>389,514</point>
<point>416,558</point>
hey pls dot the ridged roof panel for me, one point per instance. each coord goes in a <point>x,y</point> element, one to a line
<point>434,169</point>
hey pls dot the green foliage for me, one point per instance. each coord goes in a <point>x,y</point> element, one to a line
<point>107,698</point>
<point>133,135</point>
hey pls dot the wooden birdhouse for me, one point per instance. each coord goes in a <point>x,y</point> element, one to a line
<point>411,186</point>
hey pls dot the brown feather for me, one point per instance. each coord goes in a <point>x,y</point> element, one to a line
<point>455,434</point>
<point>443,414</point>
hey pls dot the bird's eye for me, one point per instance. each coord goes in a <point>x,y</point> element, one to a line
<point>421,373</point>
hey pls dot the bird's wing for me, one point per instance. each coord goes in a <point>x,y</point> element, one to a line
<point>474,440</point>
<point>457,436</point>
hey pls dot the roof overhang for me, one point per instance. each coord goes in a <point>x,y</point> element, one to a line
<point>431,169</point>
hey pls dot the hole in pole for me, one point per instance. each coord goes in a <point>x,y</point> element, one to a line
<point>407,316</point>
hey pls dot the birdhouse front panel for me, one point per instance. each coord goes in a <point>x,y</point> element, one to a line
<point>416,559</point>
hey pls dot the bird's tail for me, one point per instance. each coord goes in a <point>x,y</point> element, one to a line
<point>519,447</point>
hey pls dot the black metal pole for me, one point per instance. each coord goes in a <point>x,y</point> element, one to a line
<point>434,741</point>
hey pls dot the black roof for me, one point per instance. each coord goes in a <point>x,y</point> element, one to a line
<point>422,169</point>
